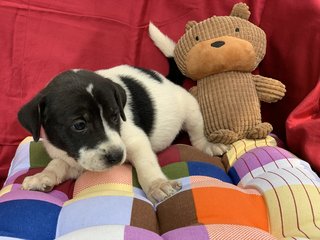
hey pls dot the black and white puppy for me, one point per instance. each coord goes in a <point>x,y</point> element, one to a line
<point>96,120</point>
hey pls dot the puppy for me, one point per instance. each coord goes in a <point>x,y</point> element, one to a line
<point>96,120</point>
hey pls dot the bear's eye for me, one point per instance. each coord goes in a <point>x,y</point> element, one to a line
<point>237,29</point>
<point>197,38</point>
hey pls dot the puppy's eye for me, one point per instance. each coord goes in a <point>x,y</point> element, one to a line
<point>115,117</point>
<point>79,125</point>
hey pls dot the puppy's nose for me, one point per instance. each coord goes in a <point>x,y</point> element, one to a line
<point>114,157</point>
<point>217,44</point>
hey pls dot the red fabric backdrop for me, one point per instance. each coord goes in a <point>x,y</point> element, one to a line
<point>303,128</point>
<point>39,39</point>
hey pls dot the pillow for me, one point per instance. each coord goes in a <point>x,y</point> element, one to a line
<point>266,192</point>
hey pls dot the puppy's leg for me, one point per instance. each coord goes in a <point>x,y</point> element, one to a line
<point>194,125</point>
<point>56,172</point>
<point>151,178</point>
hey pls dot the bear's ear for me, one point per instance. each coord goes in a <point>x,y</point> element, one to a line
<point>240,10</point>
<point>189,25</point>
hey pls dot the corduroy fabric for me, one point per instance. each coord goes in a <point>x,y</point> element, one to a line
<point>218,108</point>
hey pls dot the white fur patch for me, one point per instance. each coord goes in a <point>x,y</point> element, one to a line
<point>92,159</point>
<point>56,153</point>
<point>71,170</point>
<point>90,88</point>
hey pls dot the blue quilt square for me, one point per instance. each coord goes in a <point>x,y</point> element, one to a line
<point>28,219</point>
<point>209,170</point>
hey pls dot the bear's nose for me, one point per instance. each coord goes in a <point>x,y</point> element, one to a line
<point>217,44</point>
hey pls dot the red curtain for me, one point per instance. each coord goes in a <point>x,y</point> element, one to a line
<point>303,129</point>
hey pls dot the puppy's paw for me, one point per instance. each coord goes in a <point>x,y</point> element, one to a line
<point>162,188</point>
<point>215,149</point>
<point>43,181</point>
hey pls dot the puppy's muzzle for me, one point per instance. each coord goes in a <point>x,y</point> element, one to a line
<point>102,158</point>
<point>114,157</point>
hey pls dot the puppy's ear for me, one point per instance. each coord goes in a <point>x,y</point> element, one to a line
<point>121,99</point>
<point>30,116</point>
<point>118,92</point>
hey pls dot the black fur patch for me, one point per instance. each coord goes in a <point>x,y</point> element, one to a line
<point>175,74</point>
<point>154,75</point>
<point>141,105</point>
<point>59,115</point>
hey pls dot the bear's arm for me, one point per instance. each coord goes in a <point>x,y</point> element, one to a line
<point>269,90</point>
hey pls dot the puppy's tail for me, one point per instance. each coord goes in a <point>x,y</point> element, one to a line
<point>166,45</point>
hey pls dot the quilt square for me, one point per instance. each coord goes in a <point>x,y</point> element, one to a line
<point>94,211</point>
<point>225,205</point>
<point>29,219</point>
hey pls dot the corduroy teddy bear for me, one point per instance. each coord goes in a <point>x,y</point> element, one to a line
<point>220,53</point>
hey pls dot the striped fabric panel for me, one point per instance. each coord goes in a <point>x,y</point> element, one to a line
<point>236,232</point>
<point>293,201</point>
<point>240,147</point>
<point>289,186</point>
<point>263,159</point>
<point>281,164</point>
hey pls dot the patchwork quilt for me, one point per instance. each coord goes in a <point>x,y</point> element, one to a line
<point>258,190</point>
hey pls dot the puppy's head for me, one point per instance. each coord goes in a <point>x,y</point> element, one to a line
<point>80,113</point>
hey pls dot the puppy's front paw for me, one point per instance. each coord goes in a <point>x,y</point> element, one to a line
<point>162,188</point>
<point>43,181</point>
<point>215,149</point>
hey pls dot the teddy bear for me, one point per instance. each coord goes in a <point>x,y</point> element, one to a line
<point>220,53</point>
